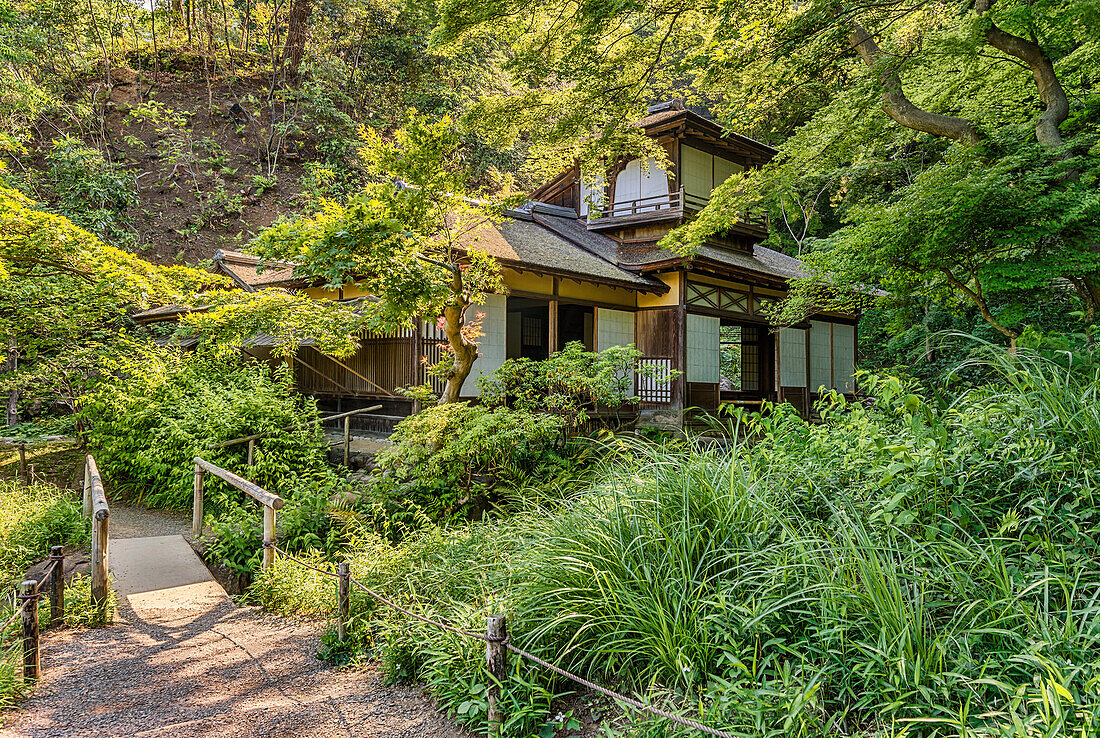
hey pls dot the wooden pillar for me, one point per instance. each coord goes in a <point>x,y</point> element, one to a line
<point>347,441</point>
<point>269,536</point>
<point>552,338</point>
<point>57,585</point>
<point>496,661</point>
<point>343,600</point>
<point>28,595</point>
<point>196,515</point>
<point>251,451</point>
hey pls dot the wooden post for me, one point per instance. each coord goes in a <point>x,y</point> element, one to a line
<point>269,536</point>
<point>496,660</point>
<point>196,516</point>
<point>57,585</point>
<point>251,451</point>
<point>343,574</point>
<point>347,441</point>
<point>23,463</point>
<point>99,558</point>
<point>87,490</point>
<point>28,594</point>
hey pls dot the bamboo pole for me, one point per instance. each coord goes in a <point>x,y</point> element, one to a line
<point>343,573</point>
<point>196,513</point>
<point>57,585</point>
<point>28,594</point>
<point>269,536</point>
<point>496,660</point>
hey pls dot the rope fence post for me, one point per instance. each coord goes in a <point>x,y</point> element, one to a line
<point>343,592</point>
<point>496,660</point>
<point>28,594</point>
<point>347,441</point>
<point>269,536</point>
<point>57,585</point>
<point>196,514</point>
<point>23,463</point>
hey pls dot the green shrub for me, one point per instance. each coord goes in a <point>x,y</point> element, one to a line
<point>153,416</point>
<point>90,191</point>
<point>32,519</point>
<point>307,521</point>
<point>571,383</point>
<point>444,457</point>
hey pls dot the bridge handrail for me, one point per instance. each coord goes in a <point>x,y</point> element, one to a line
<point>96,508</point>
<point>269,500</point>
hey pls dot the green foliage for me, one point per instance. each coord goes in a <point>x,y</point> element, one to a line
<point>571,383</point>
<point>32,519</point>
<point>444,458</point>
<point>153,414</point>
<point>88,190</point>
<point>79,610</point>
<point>911,566</point>
<point>308,522</point>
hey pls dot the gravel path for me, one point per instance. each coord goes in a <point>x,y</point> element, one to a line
<point>228,672</point>
<point>135,521</point>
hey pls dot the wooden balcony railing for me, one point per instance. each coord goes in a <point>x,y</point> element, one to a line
<point>666,206</point>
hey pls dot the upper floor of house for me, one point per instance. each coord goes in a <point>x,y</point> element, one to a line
<point>637,202</point>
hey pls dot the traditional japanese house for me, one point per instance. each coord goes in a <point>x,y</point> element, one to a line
<point>583,264</point>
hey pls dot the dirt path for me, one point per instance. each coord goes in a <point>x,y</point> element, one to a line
<point>183,660</point>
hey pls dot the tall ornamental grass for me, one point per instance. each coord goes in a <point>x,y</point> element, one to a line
<point>909,566</point>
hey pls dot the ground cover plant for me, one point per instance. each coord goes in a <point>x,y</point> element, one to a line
<point>910,566</point>
<point>33,518</point>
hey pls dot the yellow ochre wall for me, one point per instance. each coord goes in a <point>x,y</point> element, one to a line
<point>672,297</point>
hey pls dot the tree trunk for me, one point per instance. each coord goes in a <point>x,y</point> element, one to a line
<point>465,351</point>
<point>296,34</point>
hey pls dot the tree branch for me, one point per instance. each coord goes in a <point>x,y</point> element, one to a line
<point>1042,70</point>
<point>897,105</point>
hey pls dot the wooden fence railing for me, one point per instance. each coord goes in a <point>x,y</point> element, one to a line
<point>271,503</point>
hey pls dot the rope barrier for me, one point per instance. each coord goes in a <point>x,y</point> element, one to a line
<point>387,602</point>
<point>686,722</point>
